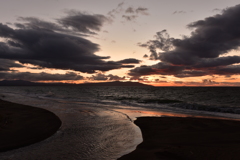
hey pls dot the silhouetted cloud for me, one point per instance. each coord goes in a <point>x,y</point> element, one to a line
<point>36,23</point>
<point>39,76</point>
<point>220,61</point>
<point>103,77</point>
<point>202,53</point>
<point>162,41</point>
<point>83,22</point>
<point>49,45</point>
<point>115,77</point>
<point>5,64</point>
<point>145,56</point>
<point>208,81</point>
<point>39,24</point>
<point>129,61</point>
<point>159,68</point>
<point>99,77</point>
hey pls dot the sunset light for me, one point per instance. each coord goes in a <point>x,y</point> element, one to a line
<point>154,43</point>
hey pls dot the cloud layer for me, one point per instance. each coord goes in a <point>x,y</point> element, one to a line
<point>83,22</point>
<point>53,45</point>
<point>202,53</point>
<point>103,77</point>
<point>39,76</point>
<point>6,65</point>
<point>129,13</point>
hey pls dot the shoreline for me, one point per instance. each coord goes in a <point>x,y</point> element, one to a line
<point>176,138</point>
<point>171,138</point>
<point>22,125</point>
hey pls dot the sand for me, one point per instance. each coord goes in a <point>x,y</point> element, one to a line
<point>175,138</point>
<point>22,125</point>
<point>165,138</point>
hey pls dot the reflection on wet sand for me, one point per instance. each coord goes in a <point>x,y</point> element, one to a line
<point>134,114</point>
<point>88,132</point>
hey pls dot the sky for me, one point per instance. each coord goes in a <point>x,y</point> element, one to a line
<point>157,42</point>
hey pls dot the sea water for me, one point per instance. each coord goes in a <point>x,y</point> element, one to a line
<point>97,122</point>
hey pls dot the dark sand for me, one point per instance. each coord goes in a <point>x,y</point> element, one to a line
<point>22,125</point>
<point>175,138</point>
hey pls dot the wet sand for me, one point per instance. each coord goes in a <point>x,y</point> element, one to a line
<point>87,132</point>
<point>22,125</point>
<point>175,138</point>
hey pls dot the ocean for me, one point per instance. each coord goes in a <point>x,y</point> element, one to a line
<point>97,122</point>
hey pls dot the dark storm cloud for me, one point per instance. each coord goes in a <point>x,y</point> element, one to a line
<point>181,71</point>
<point>47,45</point>
<point>39,76</point>
<point>142,70</point>
<point>162,41</point>
<point>191,73</point>
<point>203,52</point>
<point>19,25</point>
<point>163,68</point>
<point>227,70</point>
<point>212,37</point>
<point>159,68</point>
<point>5,65</point>
<point>83,22</point>
<point>49,49</point>
<point>5,31</point>
<point>220,61</point>
<point>38,24</point>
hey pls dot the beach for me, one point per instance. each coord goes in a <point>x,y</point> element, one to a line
<point>169,138</point>
<point>86,132</point>
<point>22,125</point>
<point>175,138</point>
<point>93,129</point>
